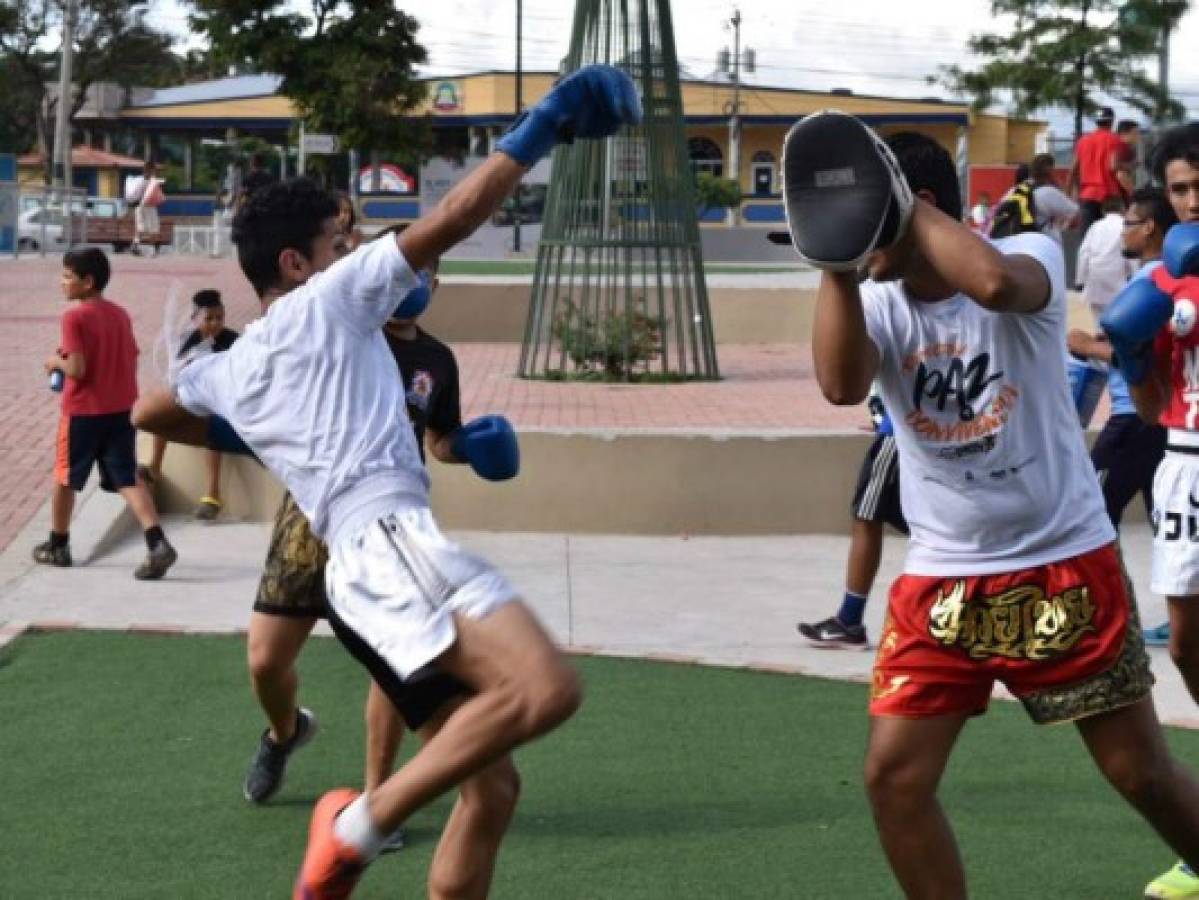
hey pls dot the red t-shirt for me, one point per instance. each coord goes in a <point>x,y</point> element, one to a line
<point>102,332</point>
<point>1095,151</point>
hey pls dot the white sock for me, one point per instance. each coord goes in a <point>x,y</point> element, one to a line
<point>355,827</point>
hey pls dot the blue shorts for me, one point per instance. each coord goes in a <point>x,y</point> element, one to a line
<point>106,441</point>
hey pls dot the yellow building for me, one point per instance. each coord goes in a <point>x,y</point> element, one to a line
<point>469,111</point>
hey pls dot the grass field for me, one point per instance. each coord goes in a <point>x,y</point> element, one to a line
<point>526,266</point>
<point>122,759</point>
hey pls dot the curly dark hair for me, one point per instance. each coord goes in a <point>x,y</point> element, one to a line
<point>280,216</point>
<point>1179,142</point>
<point>928,167</point>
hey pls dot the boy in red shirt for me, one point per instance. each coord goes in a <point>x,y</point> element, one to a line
<point>98,359</point>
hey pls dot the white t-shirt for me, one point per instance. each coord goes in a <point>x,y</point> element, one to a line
<point>1103,270</point>
<point>1054,210</point>
<point>996,475</point>
<point>311,387</point>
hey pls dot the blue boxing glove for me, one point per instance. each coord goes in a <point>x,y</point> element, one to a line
<point>1131,322</point>
<point>416,301</point>
<point>1180,252</point>
<point>590,103</point>
<point>488,443</point>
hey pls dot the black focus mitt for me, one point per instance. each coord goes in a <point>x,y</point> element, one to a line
<point>845,194</point>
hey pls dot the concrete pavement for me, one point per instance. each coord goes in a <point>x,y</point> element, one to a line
<point>719,601</point>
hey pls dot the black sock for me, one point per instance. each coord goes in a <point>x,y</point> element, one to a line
<point>59,540</point>
<point>154,536</point>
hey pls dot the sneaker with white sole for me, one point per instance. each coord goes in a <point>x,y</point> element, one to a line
<point>265,775</point>
<point>834,634</point>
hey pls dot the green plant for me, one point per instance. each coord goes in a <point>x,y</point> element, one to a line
<point>715,193</point>
<point>616,345</point>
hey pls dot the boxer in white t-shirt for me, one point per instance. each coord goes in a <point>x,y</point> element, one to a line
<point>1012,575</point>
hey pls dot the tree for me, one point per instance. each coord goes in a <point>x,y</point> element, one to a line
<point>347,65</point>
<point>716,193</point>
<point>112,43</point>
<point>1061,53</point>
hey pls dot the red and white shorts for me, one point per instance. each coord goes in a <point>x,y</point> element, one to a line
<point>1064,638</point>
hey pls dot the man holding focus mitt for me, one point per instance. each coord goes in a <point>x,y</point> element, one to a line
<point>1012,573</point>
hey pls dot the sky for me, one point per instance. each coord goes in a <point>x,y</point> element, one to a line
<point>877,47</point>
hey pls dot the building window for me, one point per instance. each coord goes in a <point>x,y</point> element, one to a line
<point>705,156</point>
<point>763,168</point>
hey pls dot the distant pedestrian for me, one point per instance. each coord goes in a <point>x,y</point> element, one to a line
<point>1101,169</point>
<point>149,196</point>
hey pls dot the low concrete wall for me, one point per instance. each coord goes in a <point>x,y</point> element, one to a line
<point>610,483</point>
<point>606,483</point>
<point>496,313</point>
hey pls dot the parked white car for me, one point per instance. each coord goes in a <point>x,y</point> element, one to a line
<point>40,227</point>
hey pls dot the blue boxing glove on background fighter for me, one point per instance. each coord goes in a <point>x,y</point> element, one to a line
<point>590,103</point>
<point>488,443</point>
<point>1142,309</point>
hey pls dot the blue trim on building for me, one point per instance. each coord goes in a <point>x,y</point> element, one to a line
<point>391,209</point>
<point>771,213</point>
<point>868,118</point>
<point>211,123</point>
<point>8,167</point>
<point>187,206</point>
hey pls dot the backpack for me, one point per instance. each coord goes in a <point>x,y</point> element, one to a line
<point>1016,212</point>
<point>135,185</point>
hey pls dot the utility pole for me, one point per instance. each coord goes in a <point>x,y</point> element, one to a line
<point>1163,75</point>
<point>735,118</point>
<point>62,126</point>
<point>519,104</point>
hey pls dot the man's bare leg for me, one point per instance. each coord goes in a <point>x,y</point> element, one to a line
<point>524,688</point>
<point>272,647</point>
<point>464,862</point>
<point>384,730</point>
<point>212,463</point>
<point>1130,749</point>
<point>865,556</point>
<point>905,759</point>
<point>1184,640</point>
<point>62,504</point>
<point>158,452</point>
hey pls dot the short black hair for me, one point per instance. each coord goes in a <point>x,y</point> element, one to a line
<point>1156,205</point>
<point>276,217</point>
<point>1126,125</point>
<point>928,167</point>
<point>89,262</point>
<point>207,299</point>
<point>1179,142</point>
<point>1041,167</point>
<point>1021,175</point>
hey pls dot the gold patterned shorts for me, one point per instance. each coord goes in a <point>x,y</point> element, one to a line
<point>1064,638</point>
<point>293,577</point>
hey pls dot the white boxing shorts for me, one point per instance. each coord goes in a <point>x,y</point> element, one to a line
<point>1176,518</point>
<point>397,581</point>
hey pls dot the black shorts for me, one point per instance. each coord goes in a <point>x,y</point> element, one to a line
<point>417,698</point>
<point>1126,455</point>
<point>106,441</point>
<point>876,498</point>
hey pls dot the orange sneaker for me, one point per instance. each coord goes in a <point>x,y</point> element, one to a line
<point>331,868</point>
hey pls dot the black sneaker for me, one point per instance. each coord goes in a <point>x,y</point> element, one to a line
<point>265,775</point>
<point>49,555</point>
<point>156,563</point>
<point>831,633</point>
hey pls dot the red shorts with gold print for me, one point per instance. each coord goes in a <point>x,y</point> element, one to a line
<point>1064,638</point>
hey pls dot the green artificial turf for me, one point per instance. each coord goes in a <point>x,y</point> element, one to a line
<point>122,758</point>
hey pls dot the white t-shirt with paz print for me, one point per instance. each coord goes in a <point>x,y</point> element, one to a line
<point>996,474</point>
